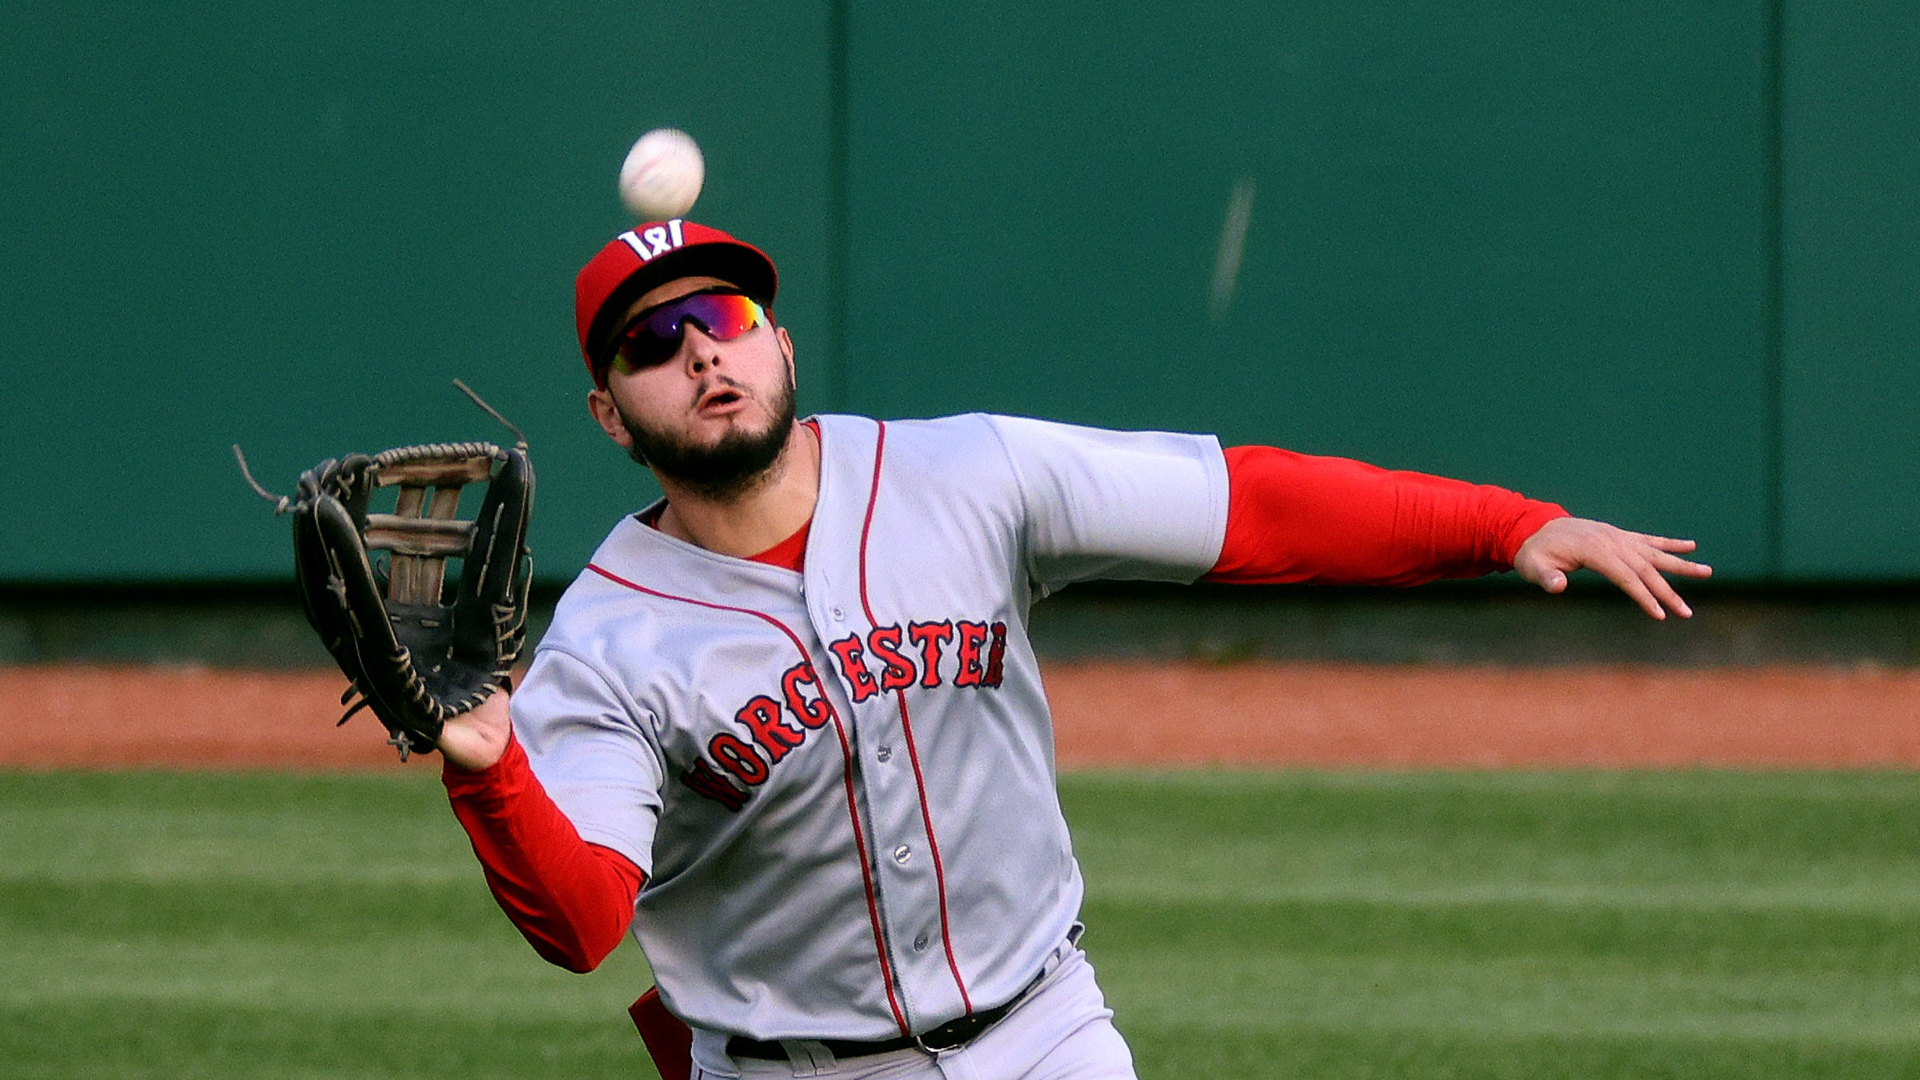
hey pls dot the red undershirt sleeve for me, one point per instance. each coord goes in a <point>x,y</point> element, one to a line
<point>1299,518</point>
<point>572,900</point>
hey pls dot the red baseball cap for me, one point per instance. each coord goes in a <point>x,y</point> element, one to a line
<point>649,255</point>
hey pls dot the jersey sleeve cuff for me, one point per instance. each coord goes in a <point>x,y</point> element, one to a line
<point>1531,518</point>
<point>501,780</point>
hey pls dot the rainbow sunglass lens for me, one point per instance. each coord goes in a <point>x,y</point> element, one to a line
<point>654,337</point>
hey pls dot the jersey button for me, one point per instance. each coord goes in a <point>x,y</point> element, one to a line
<point>839,615</point>
<point>920,943</point>
<point>902,854</point>
<point>884,753</point>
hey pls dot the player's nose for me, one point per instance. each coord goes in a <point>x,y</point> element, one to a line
<point>698,348</point>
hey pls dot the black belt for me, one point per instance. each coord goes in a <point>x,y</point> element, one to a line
<point>949,1036</point>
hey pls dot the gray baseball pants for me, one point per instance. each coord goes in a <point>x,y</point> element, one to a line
<point>1062,1030</point>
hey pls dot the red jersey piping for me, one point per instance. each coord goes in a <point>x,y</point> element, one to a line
<point>846,770</point>
<point>906,726</point>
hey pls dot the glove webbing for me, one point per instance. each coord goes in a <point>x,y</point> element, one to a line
<point>424,527</point>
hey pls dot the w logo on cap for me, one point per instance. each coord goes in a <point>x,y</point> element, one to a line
<point>655,240</point>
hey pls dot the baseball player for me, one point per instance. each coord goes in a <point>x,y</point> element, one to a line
<point>787,728</point>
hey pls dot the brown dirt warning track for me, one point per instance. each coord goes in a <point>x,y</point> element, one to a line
<point>1107,713</point>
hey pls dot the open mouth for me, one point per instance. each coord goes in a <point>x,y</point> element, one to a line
<point>720,399</point>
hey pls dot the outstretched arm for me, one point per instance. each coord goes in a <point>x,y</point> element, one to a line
<point>1333,521</point>
<point>1300,518</point>
<point>1637,562</point>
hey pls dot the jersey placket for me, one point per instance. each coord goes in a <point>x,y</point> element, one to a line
<point>883,792</point>
<point>903,850</point>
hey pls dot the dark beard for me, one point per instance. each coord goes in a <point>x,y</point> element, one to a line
<point>724,471</point>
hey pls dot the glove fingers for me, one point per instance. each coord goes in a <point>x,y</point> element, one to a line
<point>312,572</point>
<point>313,481</point>
<point>369,653</point>
<point>493,575</point>
<point>348,482</point>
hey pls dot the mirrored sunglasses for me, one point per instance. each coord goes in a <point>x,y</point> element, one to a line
<point>654,336</point>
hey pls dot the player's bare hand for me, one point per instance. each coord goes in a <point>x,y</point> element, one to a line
<point>1637,562</point>
<point>476,738</point>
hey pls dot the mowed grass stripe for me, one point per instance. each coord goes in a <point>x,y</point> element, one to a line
<point>1727,937</point>
<point>1730,940</point>
<point>1656,840</point>
<point>1518,996</point>
<point>1300,1052</point>
<point>196,910</point>
<point>1299,924</point>
<point>173,828</point>
<point>150,1040</point>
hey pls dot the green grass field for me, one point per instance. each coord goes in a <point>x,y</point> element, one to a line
<point>1533,925</point>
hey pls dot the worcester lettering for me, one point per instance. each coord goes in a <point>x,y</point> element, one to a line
<point>976,658</point>
<point>773,725</point>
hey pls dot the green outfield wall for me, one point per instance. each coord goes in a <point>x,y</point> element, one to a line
<point>1655,261</point>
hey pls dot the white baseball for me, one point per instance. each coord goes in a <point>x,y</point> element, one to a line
<point>662,175</point>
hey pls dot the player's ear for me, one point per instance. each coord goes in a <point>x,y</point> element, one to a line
<point>607,415</point>
<point>786,347</point>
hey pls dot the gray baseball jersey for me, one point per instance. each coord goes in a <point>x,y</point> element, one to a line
<point>841,782</point>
